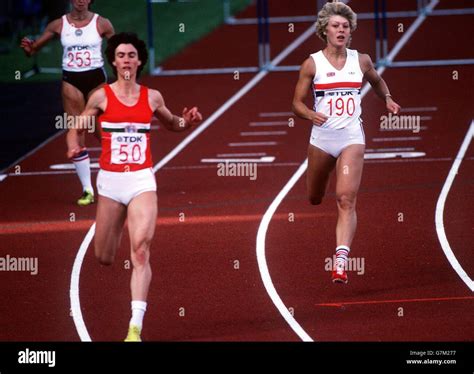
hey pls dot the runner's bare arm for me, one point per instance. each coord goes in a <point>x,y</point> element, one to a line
<point>30,47</point>
<point>172,122</point>
<point>105,28</point>
<point>378,84</point>
<point>95,105</point>
<point>304,84</point>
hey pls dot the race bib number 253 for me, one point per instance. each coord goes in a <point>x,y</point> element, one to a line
<point>128,148</point>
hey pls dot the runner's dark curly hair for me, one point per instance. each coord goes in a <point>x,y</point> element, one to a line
<point>126,38</point>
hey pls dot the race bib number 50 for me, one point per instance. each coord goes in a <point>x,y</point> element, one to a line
<point>128,148</point>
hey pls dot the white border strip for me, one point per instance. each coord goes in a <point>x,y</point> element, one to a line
<point>75,275</point>
<point>440,210</point>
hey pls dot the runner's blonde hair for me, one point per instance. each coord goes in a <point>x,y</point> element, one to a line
<point>334,9</point>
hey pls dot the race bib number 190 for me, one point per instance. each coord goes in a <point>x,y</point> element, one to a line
<point>128,148</point>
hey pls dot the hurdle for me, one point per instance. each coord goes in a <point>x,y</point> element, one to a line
<point>423,7</point>
<point>263,21</point>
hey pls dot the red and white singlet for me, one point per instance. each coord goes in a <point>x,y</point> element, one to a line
<point>337,92</point>
<point>125,132</point>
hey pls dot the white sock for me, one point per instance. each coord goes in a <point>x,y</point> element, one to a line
<point>82,164</point>
<point>138,312</point>
<point>342,252</point>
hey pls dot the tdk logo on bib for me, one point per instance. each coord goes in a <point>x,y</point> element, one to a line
<point>129,139</point>
<point>78,48</point>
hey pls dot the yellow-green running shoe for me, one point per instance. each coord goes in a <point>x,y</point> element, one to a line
<point>133,334</point>
<point>87,198</point>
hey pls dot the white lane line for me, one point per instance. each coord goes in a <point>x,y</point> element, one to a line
<point>74,288</point>
<point>262,260</point>
<point>384,155</point>
<point>419,109</point>
<point>36,173</point>
<point>398,160</point>
<point>266,159</point>
<point>251,144</point>
<point>276,114</point>
<point>252,83</point>
<point>263,133</point>
<point>397,139</point>
<point>368,161</point>
<point>34,150</point>
<point>75,302</point>
<point>439,220</point>
<point>209,166</point>
<point>390,149</point>
<point>268,124</point>
<point>262,229</point>
<point>94,165</point>
<point>401,131</point>
<point>254,154</point>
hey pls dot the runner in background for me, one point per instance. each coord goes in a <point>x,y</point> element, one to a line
<point>81,32</point>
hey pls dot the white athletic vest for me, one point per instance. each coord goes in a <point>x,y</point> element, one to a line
<point>337,92</point>
<point>81,46</point>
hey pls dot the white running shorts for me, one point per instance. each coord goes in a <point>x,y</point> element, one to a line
<point>124,186</point>
<point>333,141</point>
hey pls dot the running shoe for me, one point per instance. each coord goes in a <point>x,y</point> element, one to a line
<point>339,275</point>
<point>133,334</point>
<point>87,198</point>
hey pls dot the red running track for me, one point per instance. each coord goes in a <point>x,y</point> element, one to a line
<point>207,284</point>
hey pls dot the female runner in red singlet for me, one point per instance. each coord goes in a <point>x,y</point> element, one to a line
<point>126,182</point>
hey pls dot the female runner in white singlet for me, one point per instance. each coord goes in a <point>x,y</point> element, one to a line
<point>334,75</point>
<point>81,33</point>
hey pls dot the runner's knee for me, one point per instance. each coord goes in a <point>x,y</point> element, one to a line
<point>141,252</point>
<point>346,201</point>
